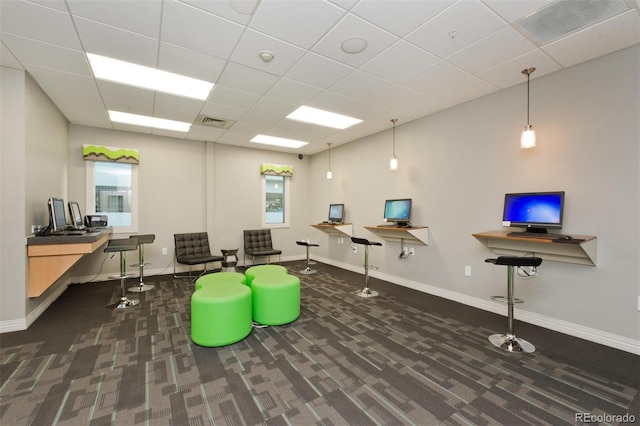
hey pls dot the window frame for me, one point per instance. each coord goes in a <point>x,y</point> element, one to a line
<point>90,200</point>
<point>287,203</point>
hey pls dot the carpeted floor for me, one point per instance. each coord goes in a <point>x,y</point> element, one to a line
<point>403,358</point>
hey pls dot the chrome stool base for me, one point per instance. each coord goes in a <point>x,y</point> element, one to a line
<point>510,343</point>
<point>141,287</point>
<point>366,292</point>
<point>124,302</point>
<point>308,271</point>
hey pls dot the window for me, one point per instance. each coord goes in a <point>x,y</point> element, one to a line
<point>112,190</point>
<point>275,198</point>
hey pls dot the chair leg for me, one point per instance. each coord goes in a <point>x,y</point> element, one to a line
<point>123,302</point>
<point>509,342</point>
<point>366,292</point>
<point>141,285</point>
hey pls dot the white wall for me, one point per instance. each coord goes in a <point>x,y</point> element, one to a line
<point>457,165</point>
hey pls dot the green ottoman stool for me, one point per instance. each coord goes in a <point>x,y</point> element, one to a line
<point>219,277</point>
<point>220,314</point>
<point>275,298</point>
<point>255,270</point>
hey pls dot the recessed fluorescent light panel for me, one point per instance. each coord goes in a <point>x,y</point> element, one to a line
<point>272,140</point>
<point>143,120</point>
<point>148,78</point>
<point>322,118</point>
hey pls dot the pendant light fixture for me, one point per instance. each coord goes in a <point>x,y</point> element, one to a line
<point>528,139</point>
<point>393,163</point>
<point>329,172</point>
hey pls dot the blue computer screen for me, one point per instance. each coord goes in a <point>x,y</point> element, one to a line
<point>539,208</point>
<point>397,210</point>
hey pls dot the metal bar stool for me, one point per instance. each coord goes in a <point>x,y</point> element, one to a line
<point>509,342</point>
<point>142,240</point>
<point>122,245</point>
<point>366,292</point>
<point>308,269</point>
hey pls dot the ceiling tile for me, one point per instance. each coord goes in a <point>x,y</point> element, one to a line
<point>301,23</point>
<point>400,17</point>
<point>359,85</point>
<point>318,71</point>
<point>7,59</point>
<point>606,37</point>
<point>509,73</point>
<point>115,43</point>
<point>190,63</point>
<point>501,46</point>
<point>247,52</point>
<point>129,99</point>
<point>176,107</point>
<point>231,97</point>
<point>225,112</point>
<point>39,23</point>
<point>239,11</point>
<point>198,30</point>
<point>292,91</point>
<point>44,55</point>
<point>205,133</point>
<point>135,16</point>
<point>239,77</point>
<point>350,27</point>
<point>470,20</point>
<point>385,65</point>
<point>512,11</point>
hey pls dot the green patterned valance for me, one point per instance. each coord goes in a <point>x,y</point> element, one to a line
<point>106,153</point>
<point>276,169</point>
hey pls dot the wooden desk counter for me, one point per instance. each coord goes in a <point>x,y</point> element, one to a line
<point>581,252</point>
<point>414,235</point>
<point>50,257</point>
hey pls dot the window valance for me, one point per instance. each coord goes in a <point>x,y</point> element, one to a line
<point>276,169</point>
<point>107,153</point>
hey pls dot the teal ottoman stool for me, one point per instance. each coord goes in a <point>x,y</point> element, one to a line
<point>251,273</point>
<point>275,298</point>
<point>220,313</point>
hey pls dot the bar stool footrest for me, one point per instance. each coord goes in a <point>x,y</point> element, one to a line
<point>142,287</point>
<point>505,299</point>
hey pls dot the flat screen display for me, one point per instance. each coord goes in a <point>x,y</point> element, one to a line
<point>397,210</point>
<point>536,210</point>
<point>57,217</point>
<point>336,213</point>
<point>76,215</point>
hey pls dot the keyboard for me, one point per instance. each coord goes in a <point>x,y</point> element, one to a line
<point>535,235</point>
<point>70,232</point>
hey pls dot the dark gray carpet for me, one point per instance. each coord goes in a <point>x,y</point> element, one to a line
<point>400,359</point>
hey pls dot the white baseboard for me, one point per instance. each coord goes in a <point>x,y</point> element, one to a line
<point>593,335</point>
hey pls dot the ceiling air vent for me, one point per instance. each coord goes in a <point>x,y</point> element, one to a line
<point>218,123</point>
<point>563,17</point>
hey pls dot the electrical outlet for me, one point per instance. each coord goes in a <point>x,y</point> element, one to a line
<point>412,251</point>
<point>164,251</point>
<point>467,271</point>
<point>354,248</point>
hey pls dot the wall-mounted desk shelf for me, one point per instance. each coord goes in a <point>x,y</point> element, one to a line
<point>339,230</point>
<point>413,235</point>
<point>583,253</point>
<point>50,257</point>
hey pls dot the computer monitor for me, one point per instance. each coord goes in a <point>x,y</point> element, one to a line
<point>336,213</point>
<point>398,211</point>
<point>536,211</point>
<point>57,217</point>
<point>76,215</point>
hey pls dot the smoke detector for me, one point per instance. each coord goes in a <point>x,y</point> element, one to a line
<point>266,56</point>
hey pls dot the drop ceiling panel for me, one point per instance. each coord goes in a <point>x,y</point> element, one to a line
<point>318,71</point>
<point>231,97</point>
<point>509,73</point>
<point>512,11</point>
<point>292,91</point>
<point>38,22</point>
<point>191,63</point>
<point>253,42</point>
<point>360,85</point>
<point>7,59</point>
<point>196,29</point>
<point>301,23</point>
<point>470,20</point>
<point>499,47</point>
<point>224,112</point>
<point>44,55</point>
<point>352,26</point>
<point>134,100</point>
<point>176,107</point>
<point>205,133</point>
<point>400,18</point>
<point>240,77</point>
<point>607,37</point>
<point>135,16</point>
<point>115,43</point>
<point>411,60</point>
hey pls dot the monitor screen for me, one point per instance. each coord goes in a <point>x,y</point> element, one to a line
<point>76,215</point>
<point>397,210</point>
<point>57,217</point>
<point>534,210</point>
<point>336,213</point>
